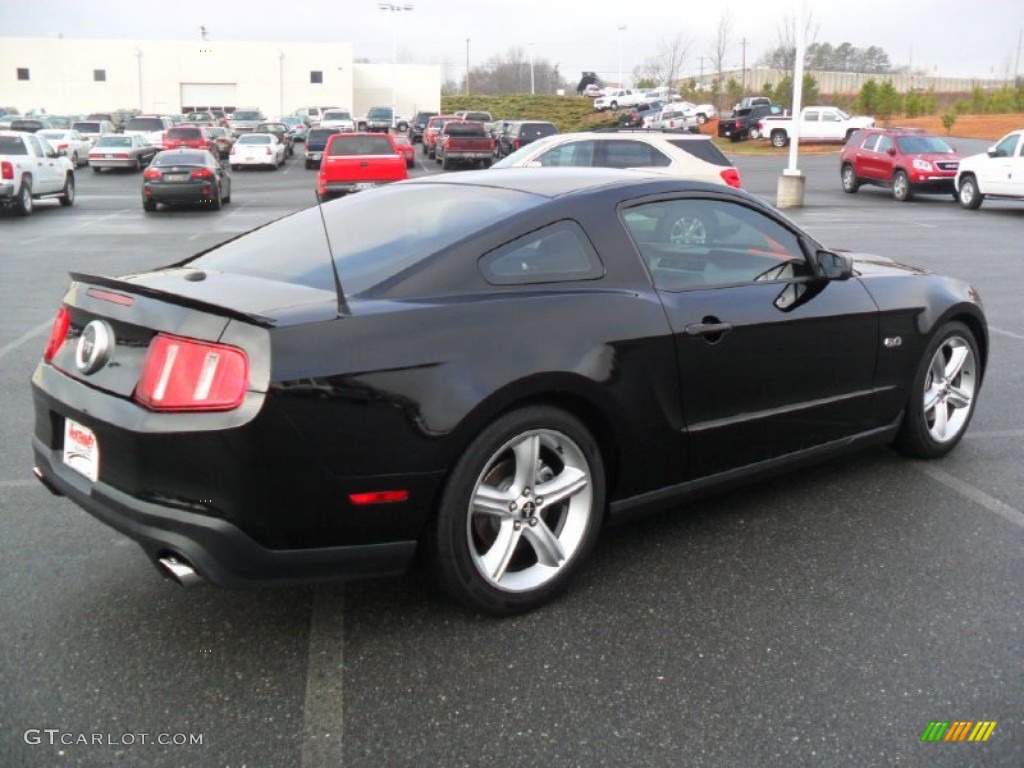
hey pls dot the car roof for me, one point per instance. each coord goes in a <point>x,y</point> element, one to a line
<point>556,182</point>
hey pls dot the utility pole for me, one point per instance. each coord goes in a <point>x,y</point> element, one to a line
<point>467,66</point>
<point>701,70</point>
<point>744,43</point>
<point>1016,67</point>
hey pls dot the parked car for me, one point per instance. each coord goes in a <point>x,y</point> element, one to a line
<point>185,177</point>
<point>30,170</point>
<point>382,120</point>
<point>259,149</point>
<point>114,118</point>
<point>312,115</point>
<point>619,98</point>
<point>817,124</point>
<point>282,131</point>
<point>418,124</point>
<point>433,128</point>
<point>463,142</point>
<point>700,112</point>
<point>190,137</point>
<point>316,140</point>
<point>152,128</point>
<point>906,160</point>
<point>672,117</point>
<point>297,126</point>
<point>113,151</point>
<point>638,117</point>
<point>30,124</point>
<point>485,379</point>
<point>222,139</point>
<point>404,145</point>
<point>93,129</point>
<point>338,119</point>
<point>523,132</point>
<point>202,118</point>
<point>997,173</point>
<point>354,162</point>
<point>245,120</point>
<point>684,155</point>
<point>592,91</point>
<point>745,122</point>
<point>69,141</point>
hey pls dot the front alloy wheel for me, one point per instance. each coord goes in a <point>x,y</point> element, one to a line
<point>849,177</point>
<point>520,511</point>
<point>901,190</point>
<point>943,394</point>
<point>970,196</point>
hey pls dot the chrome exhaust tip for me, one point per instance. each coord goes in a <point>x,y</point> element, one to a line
<point>180,571</point>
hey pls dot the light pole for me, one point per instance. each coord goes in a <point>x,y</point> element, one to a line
<point>533,89</point>
<point>280,83</point>
<point>138,58</point>
<point>467,66</point>
<point>395,8</point>
<point>622,28</point>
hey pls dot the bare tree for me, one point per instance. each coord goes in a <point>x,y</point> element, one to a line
<point>719,50</point>
<point>664,67</point>
<point>783,56</point>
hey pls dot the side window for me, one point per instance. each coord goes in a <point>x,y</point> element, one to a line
<point>884,144</point>
<point>692,243</point>
<point>812,117</point>
<point>1008,146</point>
<point>555,253</point>
<point>38,148</point>
<point>622,153</point>
<point>580,153</point>
<point>871,143</point>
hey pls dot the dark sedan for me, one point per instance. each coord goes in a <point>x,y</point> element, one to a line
<point>186,177</point>
<point>284,134</point>
<point>485,367</point>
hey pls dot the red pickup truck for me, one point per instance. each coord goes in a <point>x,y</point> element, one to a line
<point>357,161</point>
<point>464,142</point>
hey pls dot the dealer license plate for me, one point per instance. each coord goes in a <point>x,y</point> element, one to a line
<point>175,177</point>
<point>81,449</point>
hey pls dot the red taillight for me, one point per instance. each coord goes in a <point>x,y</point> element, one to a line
<point>7,170</point>
<point>151,173</point>
<point>378,497</point>
<point>731,177</point>
<point>516,144</point>
<point>58,333</point>
<point>202,173</point>
<point>182,374</point>
<point>61,146</point>
<point>121,155</point>
<point>739,125</point>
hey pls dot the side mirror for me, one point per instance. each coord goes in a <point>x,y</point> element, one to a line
<point>834,266</point>
<point>992,152</point>
<point>891,151</point>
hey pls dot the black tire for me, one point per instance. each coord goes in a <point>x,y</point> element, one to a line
<point>74,160</point>
<point>901,189</point>
<point>148,206</point>
<point>779,139</point>
<point>461,540</point>
<point>308,165</point>
<point>138,165</point>
<point>402,127</point>
<point>216,203</point>
<point>67,195</point>
<point>95,169</point>
<point>24,204</point>
<point>969,195</point>
<point>917,436</point>
<point>235,167</point>
<point>848,177</point>
<point>614,105</point>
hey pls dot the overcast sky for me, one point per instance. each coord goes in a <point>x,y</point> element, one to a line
<point>946,37</point>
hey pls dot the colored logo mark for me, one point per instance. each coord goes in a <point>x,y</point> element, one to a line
<point>958,730</point>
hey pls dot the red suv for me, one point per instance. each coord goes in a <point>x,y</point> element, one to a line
<point>190,137</point>
<point>907,160</point>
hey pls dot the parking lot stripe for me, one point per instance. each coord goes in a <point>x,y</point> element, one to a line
<point>1001,332</point>
<point>972,493</point>
<point>993,433</point>
<point>323,706</point>
<point>25,337</point>
<point>18,483</point>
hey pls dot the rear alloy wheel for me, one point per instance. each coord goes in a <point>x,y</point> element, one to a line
<point>67,195</point>
<point>779,139</point>
<point>970,195</point>
<point>901,189</point>
<point>754,134</point>
<point>520,511</point>
<point>686,230</point>
<point>849,178</point>
<point>24,205</point>
<point>943,394</point>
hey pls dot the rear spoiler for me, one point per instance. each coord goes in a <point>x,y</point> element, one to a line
<point>173,298</point>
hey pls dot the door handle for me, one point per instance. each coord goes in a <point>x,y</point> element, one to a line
<point>707,329</point>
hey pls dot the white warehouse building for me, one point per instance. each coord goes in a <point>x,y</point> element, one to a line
<point>73,76</point>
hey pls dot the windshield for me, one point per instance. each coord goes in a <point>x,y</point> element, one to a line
<point>919,145</point>
<point>247,115</point>
<point>184,133</point>
<point>337,114</point>
<point>369,248</point>
<point>114,141</point>
<point>87,127</point>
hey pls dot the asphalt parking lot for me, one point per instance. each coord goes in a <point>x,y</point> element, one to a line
<point>822,618</point>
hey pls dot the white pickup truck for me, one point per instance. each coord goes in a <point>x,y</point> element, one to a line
<point>619,98</point>
<point>816,124</point>
<point>31,169</point>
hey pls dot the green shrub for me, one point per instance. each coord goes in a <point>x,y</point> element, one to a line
<point>948,121</point>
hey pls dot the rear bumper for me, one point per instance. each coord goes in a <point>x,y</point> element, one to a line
<point>220,552</point>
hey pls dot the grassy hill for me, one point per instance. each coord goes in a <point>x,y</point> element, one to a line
<point>569,113</point>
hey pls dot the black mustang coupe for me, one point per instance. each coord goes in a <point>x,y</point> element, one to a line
<point>517,358</point>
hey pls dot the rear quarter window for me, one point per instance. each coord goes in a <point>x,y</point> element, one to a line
<point>703,150</point>
<point>555,253</point>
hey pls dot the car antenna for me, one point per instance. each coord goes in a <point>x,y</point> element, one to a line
<point>343,307</point>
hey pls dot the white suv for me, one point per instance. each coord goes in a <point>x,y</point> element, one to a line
<point>999,172</point>
<point>688,156</point>
<point>339,119</point>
